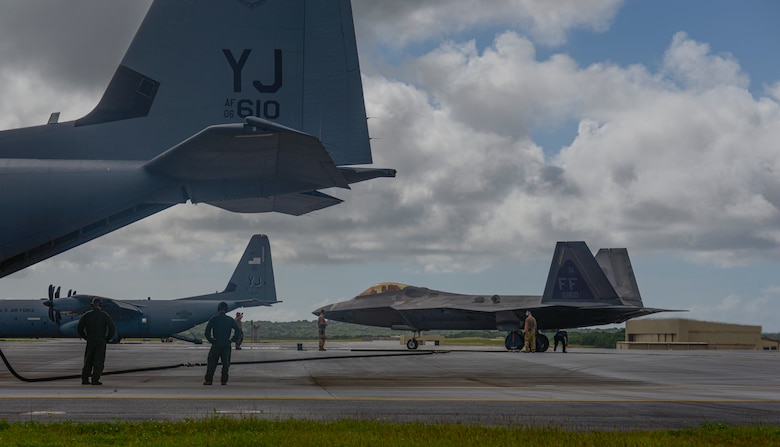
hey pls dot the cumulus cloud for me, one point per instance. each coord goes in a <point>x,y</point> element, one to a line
<point>740,309</point>
<point>656,164</point>
<point>692,64</point>
<point>54,61</point>
<point>403,22</point>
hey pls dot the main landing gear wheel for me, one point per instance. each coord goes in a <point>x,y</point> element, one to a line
<point>412,343</point>
<point>514,341</point>
<point>542,343</point>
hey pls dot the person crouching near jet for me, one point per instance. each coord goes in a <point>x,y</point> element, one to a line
<point>218,333</point>
<point>562,337</point>
<point>529,330</point>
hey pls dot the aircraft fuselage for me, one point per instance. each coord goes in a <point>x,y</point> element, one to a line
<point>473,312</point>
<point>159,319</point>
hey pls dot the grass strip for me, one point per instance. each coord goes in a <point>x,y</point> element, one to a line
<point>223,431</point>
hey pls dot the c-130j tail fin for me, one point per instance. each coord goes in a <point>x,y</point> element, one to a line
<point>577,276</point>
<point>253,279</point>
<point>196,63</point>
<point>252,282</point>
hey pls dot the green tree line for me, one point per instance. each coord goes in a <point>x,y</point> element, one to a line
<point>307,330</point>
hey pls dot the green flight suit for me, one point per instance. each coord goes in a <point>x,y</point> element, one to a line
<point>218,333</point>
<point>97,328</point>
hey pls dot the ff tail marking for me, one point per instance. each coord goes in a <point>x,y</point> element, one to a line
<point>575,275</point>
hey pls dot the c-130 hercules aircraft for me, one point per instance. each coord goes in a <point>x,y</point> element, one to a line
<point>252,284</point>
<point>582,290</point>
<point>247,105</point>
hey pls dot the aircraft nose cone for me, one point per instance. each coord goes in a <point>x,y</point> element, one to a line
<point>325,308</point>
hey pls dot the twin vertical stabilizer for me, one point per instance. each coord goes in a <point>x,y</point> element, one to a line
<point>577,276</point>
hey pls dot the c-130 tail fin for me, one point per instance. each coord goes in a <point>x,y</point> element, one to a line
<point>197,63</point>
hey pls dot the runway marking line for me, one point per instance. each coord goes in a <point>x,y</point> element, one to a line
<point>392,399</point>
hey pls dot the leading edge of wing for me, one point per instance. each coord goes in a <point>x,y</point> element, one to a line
<point>79,304</point>
<point>516,303</point>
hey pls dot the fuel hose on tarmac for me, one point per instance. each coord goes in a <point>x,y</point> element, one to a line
<point>179,365</point>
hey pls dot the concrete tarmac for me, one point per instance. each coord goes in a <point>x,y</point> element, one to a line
<point>584,389</point>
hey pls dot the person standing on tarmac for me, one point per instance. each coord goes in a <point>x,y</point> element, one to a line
<point>321,325</point>
<point>218,333</point>
<point>562,337</point>
<point>97,328</point>
<point>240,337</point>
<point>530,332</point>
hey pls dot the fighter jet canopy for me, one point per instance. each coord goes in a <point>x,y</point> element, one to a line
<point>383,287</point>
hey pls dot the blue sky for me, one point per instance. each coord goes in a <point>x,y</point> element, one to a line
<point>646,125</point>
<point>642,32</point>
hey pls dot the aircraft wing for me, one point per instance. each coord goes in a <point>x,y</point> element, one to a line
<point>110,305</point>
<point>79,304</point>
<point>416,308</point>
<point>293,204</point>
<point>506,314</point>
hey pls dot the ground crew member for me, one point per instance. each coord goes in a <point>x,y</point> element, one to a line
<point>218,333</point>
<point>321,325</point>
<point>97,328</point>
<point>240,339</point>
<point>530,332</point>
<point>563,337</point>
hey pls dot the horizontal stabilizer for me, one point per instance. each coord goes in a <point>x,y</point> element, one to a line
<point>575,276</point>
<point>292,204</point>
<point>355,175</point>
<point>234,151</point>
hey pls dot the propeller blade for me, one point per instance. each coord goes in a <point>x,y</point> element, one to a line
<point>57,293</point>
<point>50,303</point>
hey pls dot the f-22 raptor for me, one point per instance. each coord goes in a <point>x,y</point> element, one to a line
<point>252,284</point>
<point>582,290</point>
<point>249,106</point>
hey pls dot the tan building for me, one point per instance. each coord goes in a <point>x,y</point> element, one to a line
<point>679,333</point>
